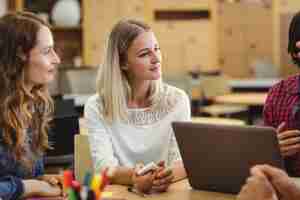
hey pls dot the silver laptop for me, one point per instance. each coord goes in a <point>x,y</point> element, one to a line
<point>218,157</point>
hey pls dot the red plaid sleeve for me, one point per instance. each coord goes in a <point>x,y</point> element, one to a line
<point>280,102</point>
<point>278,108</point>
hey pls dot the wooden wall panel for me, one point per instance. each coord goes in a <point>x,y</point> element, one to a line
<point>100,17</point>
<point>172,61</point>
<point>192,37</point>
<point>184,43</point>
<point>198,48</point>
<point>98,20</point>
<point>244,37</point>
<point>134,9</point>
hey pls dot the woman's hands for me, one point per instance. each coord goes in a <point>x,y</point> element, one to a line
<point>52,179</point>
<point>163,178</point>
<point>157,180</point>
<point>143,183</point>
<point>34,187</point>
<point>46,186</point>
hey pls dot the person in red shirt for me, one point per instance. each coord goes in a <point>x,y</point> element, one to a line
<point>282,106</point>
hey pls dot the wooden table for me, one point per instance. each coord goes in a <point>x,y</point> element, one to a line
<point>251,99</point>
<point>248,99</point>
<point>177,191</point>
<point>252,84</point>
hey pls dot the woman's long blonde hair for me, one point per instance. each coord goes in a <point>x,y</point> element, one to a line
<point>20,108</point>
<point>113,86</point>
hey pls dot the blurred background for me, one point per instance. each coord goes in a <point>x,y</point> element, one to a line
<point>241,43</point>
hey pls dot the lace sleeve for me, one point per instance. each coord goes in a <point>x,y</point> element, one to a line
<point>174,154</point>
<point>183,114</point>
<point>100,141</point>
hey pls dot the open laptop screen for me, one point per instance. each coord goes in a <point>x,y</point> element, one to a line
<point>219,157</point>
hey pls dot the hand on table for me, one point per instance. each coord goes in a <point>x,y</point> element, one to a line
<point>289,141</point>
<point>34,187</point>
<point>143,183</point>
<point>257,187</point>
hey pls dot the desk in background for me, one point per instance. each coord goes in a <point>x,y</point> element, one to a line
<point>248,99</point>
<point>252,85</point>
<point>254,101</point>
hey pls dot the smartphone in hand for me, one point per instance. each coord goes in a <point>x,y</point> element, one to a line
<point>150,166</point>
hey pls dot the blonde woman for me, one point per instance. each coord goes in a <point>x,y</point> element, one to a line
<point>129,119</point>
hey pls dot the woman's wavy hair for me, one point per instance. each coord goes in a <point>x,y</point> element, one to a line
<point>22,109</point>
<point>112,82</point>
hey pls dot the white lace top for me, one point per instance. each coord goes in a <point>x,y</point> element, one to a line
<point>146,136</point>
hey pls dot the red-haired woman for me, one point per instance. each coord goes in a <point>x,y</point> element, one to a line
<point>27,63</point>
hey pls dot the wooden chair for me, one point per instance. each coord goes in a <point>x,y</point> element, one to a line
<point>212,86</point>
<point>83,159</point>
<point>63,127</point>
